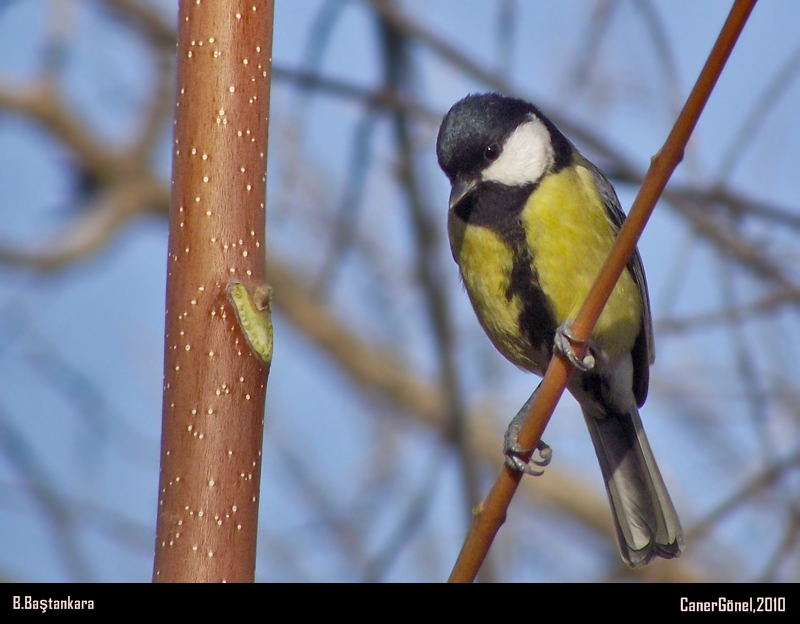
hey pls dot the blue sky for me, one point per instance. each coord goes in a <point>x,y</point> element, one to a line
<point>81,347</point>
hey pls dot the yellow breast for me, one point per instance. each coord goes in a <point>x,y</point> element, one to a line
<point>485,263</point>
<point>567,227</point>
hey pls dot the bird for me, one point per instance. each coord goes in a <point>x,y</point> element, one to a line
<point>530,223</point>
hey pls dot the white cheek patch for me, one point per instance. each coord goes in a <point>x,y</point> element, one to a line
<point>526,157</point>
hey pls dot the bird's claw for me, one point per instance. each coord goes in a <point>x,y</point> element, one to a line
<point>563,342</point>
<point>539,457</point>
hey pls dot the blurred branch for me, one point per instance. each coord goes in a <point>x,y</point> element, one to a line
<point>145,19</point>
<point>758,114</point>
<point>751,488</point>
<point>398,72</point>
<point>370,98</point>
<point>328,517</point>
<point>60,23</point>
<point>93,227</point>
<point>761,307</point>
<point>597,25</point>
<point>733,244</point>
<point>389,12</point>
<point>506,32</point>
<point>785,549</point>
<point>87,515</point>
<point>410,523</point>
<point>736,204</point>
<point>92,406</point>
<point>664,53</point>
<point>346,222</point>
<point>42,103</point>
<point>24,460</point>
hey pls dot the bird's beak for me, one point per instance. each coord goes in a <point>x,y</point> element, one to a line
<point>460,189</point>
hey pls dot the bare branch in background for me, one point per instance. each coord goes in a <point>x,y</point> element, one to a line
<point>391,436</point>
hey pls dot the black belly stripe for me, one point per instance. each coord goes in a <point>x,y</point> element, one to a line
<point>536,318</point>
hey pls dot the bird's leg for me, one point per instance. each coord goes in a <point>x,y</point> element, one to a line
<point>513,451</point>
<point>563,342</point>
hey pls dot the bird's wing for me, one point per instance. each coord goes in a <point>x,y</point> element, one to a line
<point>616,217</point>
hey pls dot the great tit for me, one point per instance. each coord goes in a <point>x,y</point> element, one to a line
<point>530,223</point>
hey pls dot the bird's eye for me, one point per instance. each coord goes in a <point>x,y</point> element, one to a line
<point>492,152</point>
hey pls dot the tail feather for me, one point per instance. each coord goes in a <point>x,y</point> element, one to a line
<point>644,517</point>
